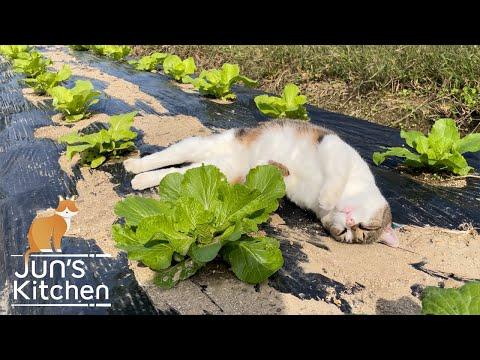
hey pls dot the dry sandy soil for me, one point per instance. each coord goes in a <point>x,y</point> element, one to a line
<point>387,280</point>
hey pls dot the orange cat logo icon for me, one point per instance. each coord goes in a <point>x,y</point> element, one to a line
<point>45,234</point>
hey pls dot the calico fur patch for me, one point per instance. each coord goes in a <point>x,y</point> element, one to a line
<point>303,128</point>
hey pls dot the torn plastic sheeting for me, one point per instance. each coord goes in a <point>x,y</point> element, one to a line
<point>412,202</point>
<point>31,179</point>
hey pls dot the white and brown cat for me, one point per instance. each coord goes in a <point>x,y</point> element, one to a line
<point>322,173</point>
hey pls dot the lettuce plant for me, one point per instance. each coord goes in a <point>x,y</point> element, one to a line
<point>200,216</point>
<point>116,52</point>
<point>290,105</point>
<point>149,62</point>
<point>31,64</point>
<point>441,150</point>
<point>464,300</point>
<point>74,103</point>
<point>179,69</point>
<point>12,52</point>
<point>48,80</point>
<point>94,149</point>
<point>217,83</point>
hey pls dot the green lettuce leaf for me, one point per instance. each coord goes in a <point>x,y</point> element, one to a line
<point>162,227</point>
<point>157,256</point>
<point>205,253</point>
<point>190,214</point>
<point>441,150</point>
<point>416,140</point>
<point>379,158</point>
<point>252,203</point>
<point>203,184</point>
<point>31,64</point>
<point>464,300</point>
<point>99,160</point>
<point>149,62</point>
<point>253,260</point>
<point>12,52</point>
<point>470,143</point>
<point>289,105</point>
<point>135,208</point>
<point>95,148</point>
<point>116,52</point>
<point>179,69</point>
<point>217,83</point>
<point>170,186</point>
<point>48,80</point>
<point>443,135</point>
<point>168,278</point>
<point>76,149</point>
<point>73,103</point>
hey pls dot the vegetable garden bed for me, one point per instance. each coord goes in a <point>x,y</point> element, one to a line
<point>319,275</point>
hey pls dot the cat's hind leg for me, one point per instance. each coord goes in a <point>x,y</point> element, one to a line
<point>190,150</point>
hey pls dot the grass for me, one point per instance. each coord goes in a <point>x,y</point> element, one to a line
<point>402,86</point>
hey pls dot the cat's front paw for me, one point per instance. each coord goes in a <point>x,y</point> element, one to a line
<point>133,165</point>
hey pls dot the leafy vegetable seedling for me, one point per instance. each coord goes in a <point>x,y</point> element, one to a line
<point>289,105</point>
<point>149,62</point>
<point>12,52</point>
<point>441,150</point>
<point>116,52</point>
<point>464,300</point>
<point>199,216</point>
<point>73,103</point>
<point>97,147</point>
<point>217,83</point>
<point>179,69</point>
<point>48,80</point>
<point>31,64</point>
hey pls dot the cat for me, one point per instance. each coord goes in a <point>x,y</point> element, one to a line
<point>322,173</point>
<point>45,233</point>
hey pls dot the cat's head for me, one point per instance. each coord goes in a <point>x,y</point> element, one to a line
<point>67,208</point>
<point>364,222</point>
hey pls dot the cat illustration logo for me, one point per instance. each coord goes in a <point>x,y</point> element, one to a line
<point>45,234</point>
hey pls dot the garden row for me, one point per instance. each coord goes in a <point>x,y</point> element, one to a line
<point>215,83</point>
<point>440,152</point>
<point>188,227</point>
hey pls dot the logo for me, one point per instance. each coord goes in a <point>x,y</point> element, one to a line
<point>51,277</point>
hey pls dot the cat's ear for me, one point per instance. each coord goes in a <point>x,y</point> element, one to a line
<point>389,237</point>
<point>74,197</point>
<point>60,198</point>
